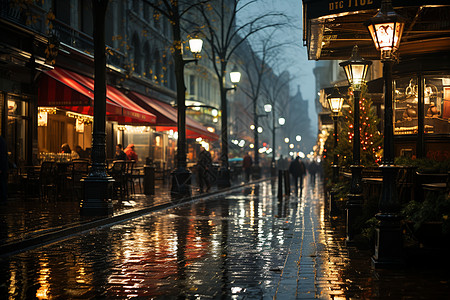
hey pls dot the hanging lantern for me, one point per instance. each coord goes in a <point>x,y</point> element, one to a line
<point>356,69</point>
<point>386,29</point>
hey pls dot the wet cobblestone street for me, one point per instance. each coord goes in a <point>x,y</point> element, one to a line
<point>244,245</point>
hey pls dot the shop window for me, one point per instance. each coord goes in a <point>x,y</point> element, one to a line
<point>406,101</point>
<point>437,104</point>
<point>17,130</point>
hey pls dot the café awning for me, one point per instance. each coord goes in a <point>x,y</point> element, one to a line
<point>167,117</point>
<point>75,92</point>
<point>332,28</point>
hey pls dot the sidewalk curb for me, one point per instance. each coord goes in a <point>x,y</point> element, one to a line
<point>58,235</point>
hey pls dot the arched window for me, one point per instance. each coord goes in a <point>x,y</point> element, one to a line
<point>136,58</point>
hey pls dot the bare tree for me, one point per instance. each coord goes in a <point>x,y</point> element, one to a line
<point>264,52</point>
<point>224,36</point>
<point>277,94</point>
<point>175,11</point>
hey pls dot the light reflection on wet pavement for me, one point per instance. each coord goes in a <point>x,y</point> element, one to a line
<point>247,245</point>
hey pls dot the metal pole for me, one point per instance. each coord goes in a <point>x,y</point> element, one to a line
<point>355,198</point>
<point>388,245</point>
<point>181,177</point>
<point>98,185</point>
<point>223,179</point>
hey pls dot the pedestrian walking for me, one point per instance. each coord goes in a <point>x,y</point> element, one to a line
<point>297,169</point>
<point>131,154</point>
<point>247,166</point>
<point>204,165</point>
<point>120,155</point>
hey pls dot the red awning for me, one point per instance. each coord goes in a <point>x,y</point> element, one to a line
<point>167,118</point>
<point>78,96</point>
<point>58,89</point>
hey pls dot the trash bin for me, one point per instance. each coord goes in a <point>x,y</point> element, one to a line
<point>149,180</point>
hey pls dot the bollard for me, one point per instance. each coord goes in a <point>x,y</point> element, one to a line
<point>280,184</point>
<point>149,180</point>
<point>287,183</point>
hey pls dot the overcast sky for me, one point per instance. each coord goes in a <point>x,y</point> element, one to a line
<point>297,62</point>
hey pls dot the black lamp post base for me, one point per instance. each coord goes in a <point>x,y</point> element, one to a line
<point>389,242</point>
<point>331,205</point>
<point>97,196</point>
<point>181,183</point>
<point>223,179</point>
<point>354,210</point>
<point>354,203</point>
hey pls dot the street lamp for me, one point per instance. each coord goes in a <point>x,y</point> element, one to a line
<point>298,138</point>
<point>223,180</point>
<point>335,101</point>
<point>281,121</point>
<point>181,176</point>
<point>386,29</point>
<point>356,71</point>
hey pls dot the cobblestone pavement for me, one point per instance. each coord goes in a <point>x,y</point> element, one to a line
<point>243,245</point>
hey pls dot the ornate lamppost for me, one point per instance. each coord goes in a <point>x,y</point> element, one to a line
<point>335,101</point>
<point>181,176</point>
<point>356,71</point>
<point>386,29</point>
<point>223,179</point>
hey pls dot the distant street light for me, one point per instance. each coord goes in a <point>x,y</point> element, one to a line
<point>356,71</point>
<point>281,121</point>
<point>286,140</point>
<point>298,138</point>
<point>223,179</point>
<point>335,101</point>
<point>267,108</point>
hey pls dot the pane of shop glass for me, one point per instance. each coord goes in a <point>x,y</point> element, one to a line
<point>405,106</point>
<point>437,104</point>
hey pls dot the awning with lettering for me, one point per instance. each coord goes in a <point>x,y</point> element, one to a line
<point>332,27</point>
<point>167,118</point>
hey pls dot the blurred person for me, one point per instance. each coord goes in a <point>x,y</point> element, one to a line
<point>131,154</point>
<point>120,154</point>
<point>247,166</point>
<point>204,165</point>
<point>297,170</point>
<point>81,152</point>
<point>65,148</point>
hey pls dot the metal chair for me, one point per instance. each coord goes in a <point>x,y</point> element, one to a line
<point>118,172</point>
<point>80,169</point>
<point>47,179</point>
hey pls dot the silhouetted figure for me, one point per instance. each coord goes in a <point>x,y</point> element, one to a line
<point>204,167</point>
<point>65,148</point>
<point>247,166</point>
<point>120,155</point>
<point>297,169</point>
<point>81,152</point>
